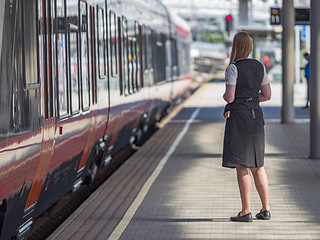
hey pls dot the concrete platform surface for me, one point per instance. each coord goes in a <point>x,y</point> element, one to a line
<point>175,188</point>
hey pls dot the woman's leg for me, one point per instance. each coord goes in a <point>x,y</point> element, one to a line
<point>244,181</point>
<point>261,182</point>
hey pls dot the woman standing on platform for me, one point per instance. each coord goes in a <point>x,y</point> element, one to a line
<point>247,85</point>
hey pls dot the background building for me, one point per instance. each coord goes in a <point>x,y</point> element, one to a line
<point>208,21</point>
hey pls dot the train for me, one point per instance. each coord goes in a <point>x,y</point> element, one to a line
<point>80,80</point>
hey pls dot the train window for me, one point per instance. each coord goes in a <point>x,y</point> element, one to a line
<point>158,65</point>
<point>52,45</point>
<point>150,48</point>
<point>154,55</point>
<point>73,68</point>
<point>22,96</point>
<point>183,67</point>
<point>168,59</point>
<point>30,57</point>
<point>161,44</point>
<point>101,43</point>
<point>144,48</point>
<point>131,59</point>
<point>174,58</point>
<point>113,43</point>
<point>163,57</point>
<point>42,56</point>
<point>120,56</point>
<point>73,55</point>
<point>174,52</point>
<point>141,56</point>
<point>137,55</point>
<point>84,51</point>
<point>93,59</point>
<point>147,43</point>
<point>63,103</point>
<point>125,55</point>
<point>134,58</point>
<point>45,46</point>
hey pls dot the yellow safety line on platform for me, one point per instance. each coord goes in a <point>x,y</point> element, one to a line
<point>118,231</point>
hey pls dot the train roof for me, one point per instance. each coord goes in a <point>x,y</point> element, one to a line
<point>177,20</point>
<point>181,26</point>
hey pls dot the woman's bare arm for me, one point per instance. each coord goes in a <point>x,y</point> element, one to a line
<point>265,93</point>
<point>229,94</point>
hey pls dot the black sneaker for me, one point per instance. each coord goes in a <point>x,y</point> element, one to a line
<point>244,218</point>
<point>263,215</point>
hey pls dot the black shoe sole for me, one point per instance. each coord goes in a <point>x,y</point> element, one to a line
<point>244,218</point>
<point>265,215</point>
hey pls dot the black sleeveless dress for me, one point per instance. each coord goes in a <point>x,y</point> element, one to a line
<point>244,140</point>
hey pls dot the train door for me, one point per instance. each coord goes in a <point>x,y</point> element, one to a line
<point>88,64</point>
<point>65,131</point>
<point>76,91</point>
<point>117,99</point>
<point>21,113</point>
<point>46,74</point>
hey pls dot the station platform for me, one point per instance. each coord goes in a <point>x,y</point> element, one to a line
<point>174,187</point>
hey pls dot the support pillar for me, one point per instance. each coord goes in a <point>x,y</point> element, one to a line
<point>243,13</point>
<point>315,80</point>
<point>2,7</point>
<point>288,61</point>
<point>297,49</point>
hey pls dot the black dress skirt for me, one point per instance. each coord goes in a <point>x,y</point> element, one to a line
<point>244,141</point>
<point>244,132</point>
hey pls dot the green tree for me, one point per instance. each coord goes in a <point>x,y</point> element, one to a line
<point>214,37</point>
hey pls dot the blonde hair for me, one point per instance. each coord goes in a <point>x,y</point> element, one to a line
<point>241,47</point>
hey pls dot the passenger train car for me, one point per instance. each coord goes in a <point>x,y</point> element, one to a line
<point>79,80</point>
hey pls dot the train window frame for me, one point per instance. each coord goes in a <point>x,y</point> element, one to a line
<point>93,59</point>
<point>73,28</point>
<point>175,58</point>
<point>42,53</point>
<point>163,57</point>
<point>151,52</point>
<point>160,58</point>
<point>144,47</point>
<point>137,55</point>
<point>141,55</point>
<point>102,75</point>
<point>53,15</point>
<point>130,64</point>
<point>113,46</point>
<point>87,107</point>
<point>158,47</point>
<point>168,58</point>
<point>119,32</point>
<point>35,42</point>
<point>63,51</point>
<point>24,107</point>
<point>132,43</point>
<point>174,50</point>
<point>125,54</point>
